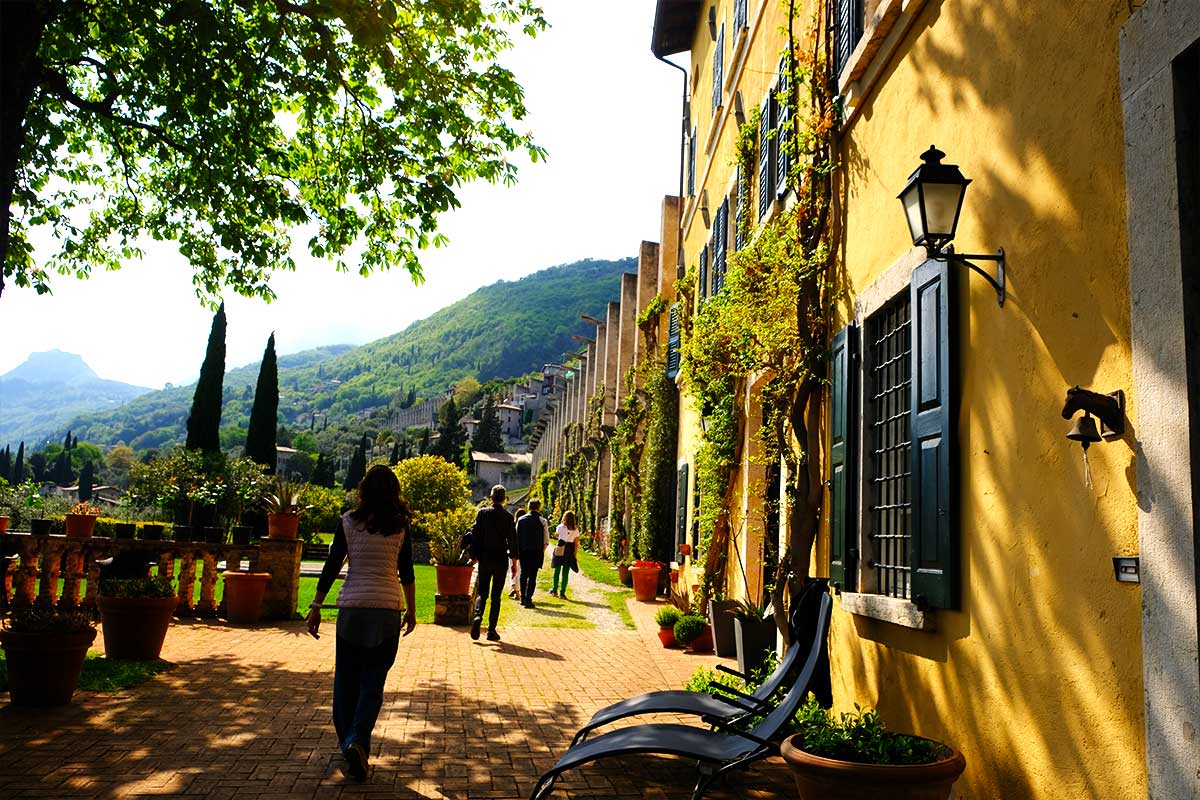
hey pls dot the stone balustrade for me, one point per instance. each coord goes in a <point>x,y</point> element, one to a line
<point>33,565</point>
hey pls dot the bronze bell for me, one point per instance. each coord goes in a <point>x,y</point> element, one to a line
<point>1084,431</point>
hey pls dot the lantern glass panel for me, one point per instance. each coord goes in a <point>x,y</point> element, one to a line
<point>941,209</point>
<point>912,211</point>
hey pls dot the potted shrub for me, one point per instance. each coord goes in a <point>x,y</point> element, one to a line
<point>126,528</point>
<point>754,635</point>
<point>39,525</point>
<point>645,580</point>
<point>246,486</point>
<point>244,593</point>
<point>135,614</point>
<point>853,757</point>
<point>691,630</point>
<point>445,530</point>
<point>666,619</point>
<point>81,520</point>
<point>283,509</point>
<point>44,649</point>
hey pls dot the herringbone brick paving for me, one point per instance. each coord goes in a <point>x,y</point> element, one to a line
<point>246,714</point>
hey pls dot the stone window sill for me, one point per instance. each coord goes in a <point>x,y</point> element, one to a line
<point>882,35</point>
<point>895,610</point>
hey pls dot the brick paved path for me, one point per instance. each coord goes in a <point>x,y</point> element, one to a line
<point>246,714</point>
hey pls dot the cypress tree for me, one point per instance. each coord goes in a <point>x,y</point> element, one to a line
<point>260,434</point>
<point>323,472</point>
<point>18,472</point>
<point>450,433</point>
<point>204,423</point>
<point>62,469</point>
<point>6,464</point>
<point>87,477</point>
<point>395,459</point>
<point>356,468</point>
<point>487,436</point>
<point>67,441</point>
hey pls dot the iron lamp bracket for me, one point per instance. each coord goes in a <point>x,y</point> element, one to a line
<point>998,283</point>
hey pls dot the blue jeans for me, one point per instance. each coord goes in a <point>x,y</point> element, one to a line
<point>367,641</point>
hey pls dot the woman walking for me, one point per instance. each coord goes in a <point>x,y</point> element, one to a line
<point>564,553</point>
<point>369,623</point>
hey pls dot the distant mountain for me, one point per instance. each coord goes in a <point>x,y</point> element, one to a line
<point>39,397</point>
<point>507,329</point>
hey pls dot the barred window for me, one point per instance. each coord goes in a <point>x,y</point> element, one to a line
<point>888,464</point>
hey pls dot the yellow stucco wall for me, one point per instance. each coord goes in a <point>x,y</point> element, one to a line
<point>1038,677</point>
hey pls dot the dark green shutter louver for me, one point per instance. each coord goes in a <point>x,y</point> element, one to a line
<point>739,15</point>
<point>720,246</point>
<point>849,29</point>
<point>934,557</point>
<point>740,223</point>
<point>765,171</point>
<point>783,129</point>
<point>681,509</point>
<point>702,289</point>
<point>843,416</point>
<point>673,342</point>
<point>718,72</point>
<point>691,185</point>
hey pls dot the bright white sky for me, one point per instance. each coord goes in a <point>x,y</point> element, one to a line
<point>606,110</point>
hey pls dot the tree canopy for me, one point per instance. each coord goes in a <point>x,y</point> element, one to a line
<point>228,125</point>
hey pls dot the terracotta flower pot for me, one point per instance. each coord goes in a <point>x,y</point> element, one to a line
<point>135,627</point>
<point>454,579</point>
<point>666,635</point>
<point>244,593</point>
<point>283,526</point>
<point>80,526</point>
<point>702,643</point>
<point>645,583</point>
<point>43,668</point>
<point>820,778</point>
<point>625,576</point>
<point>3,523</point>
<point>685,549</point>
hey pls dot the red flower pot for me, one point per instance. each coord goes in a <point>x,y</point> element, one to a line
<point>454,580</point>
<point>80,526</point>
<point>43,668</point>
<point>704,642</point>
<point>645,583</point>
<point>666,635</point>
<point>624,575</point>
<point>3,523</point>
<point>135,627</point>
<point>244,592</point>
<point>283,526</point>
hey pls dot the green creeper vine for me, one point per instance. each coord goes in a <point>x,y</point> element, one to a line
<point>771,321</point>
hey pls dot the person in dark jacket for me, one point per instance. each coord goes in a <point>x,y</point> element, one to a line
<point>493,543</point>
<point>532,538</point>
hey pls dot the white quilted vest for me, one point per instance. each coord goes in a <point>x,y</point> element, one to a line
<point>371,577</point>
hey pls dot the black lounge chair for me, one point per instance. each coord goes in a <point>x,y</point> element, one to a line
<point>716,752</point>
<point>704,705</point>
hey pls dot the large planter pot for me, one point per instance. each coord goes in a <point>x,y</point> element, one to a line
<point>454,580</point>
<point>666,635</point>
<point>214,535</point>
<point>283,526</point>
<point>80,526</point>
<point>702,643</point>
<point>40,527</point>
<point>625,576</point>
<point>43,668</point>
<point>645,583</point>
<point>152,532</point>
<point>827,779</point>
<point>241,534</point>
<point>135,627</point>
<point>124,530</point>
<point>720,617</point>
<point>755,640</point>
<point>3,523</point>
<point>244,592</point>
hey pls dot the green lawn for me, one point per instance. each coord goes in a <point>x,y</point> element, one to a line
<point>598,569</point>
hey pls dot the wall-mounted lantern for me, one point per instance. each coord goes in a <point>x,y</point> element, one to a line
<point>932,201</point>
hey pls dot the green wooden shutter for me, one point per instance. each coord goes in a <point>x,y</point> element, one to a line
<point>702,278</point>
<point>765,164</point>
<point>681,508</point>
<point>739,222</point>
<point>783,129</point>
<point>848,21</point>
<point>673,342</point>
<point>934,557</point>
<point>691,185</point>
<point>720,243</point>
<point>718,72</point>
<point>843,407</point>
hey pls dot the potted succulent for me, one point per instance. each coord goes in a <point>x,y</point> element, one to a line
<point>666,619</point>
<point>853,757</point>
<point>645,580</point>
<point>283,509</point>
<point>81,520</point>
<point>692,630</point>
<point>445,530</point>
<point>45,648</point>
<point>135,614</point>
<point>754,634</point>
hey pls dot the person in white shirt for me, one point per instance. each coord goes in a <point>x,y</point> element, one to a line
<point>564,561</point>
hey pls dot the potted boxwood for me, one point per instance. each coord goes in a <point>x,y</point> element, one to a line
<point>135,614</point>
<point>693,631</point>
<point>81,520</point>
<point>445,530</point>
<point>283,509</point>
<point>754,634</point>
<point>853,757</point>
<point>645,580</point>
<point>44,649</point>
<point>666,619</point>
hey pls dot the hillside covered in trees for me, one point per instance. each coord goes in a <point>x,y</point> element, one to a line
<point>507,329</point>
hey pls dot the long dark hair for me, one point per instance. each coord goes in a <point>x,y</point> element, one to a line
<point>379,505</point>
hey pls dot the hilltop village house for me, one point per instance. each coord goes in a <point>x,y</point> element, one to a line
<point>998,586</point>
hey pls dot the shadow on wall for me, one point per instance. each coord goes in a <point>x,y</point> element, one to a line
<point>1042,667</point>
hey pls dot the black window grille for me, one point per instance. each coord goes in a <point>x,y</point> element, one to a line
<point>888,467</point>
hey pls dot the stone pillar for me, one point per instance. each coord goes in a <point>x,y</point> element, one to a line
<point>281,558</point>
<point>647,285</point>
